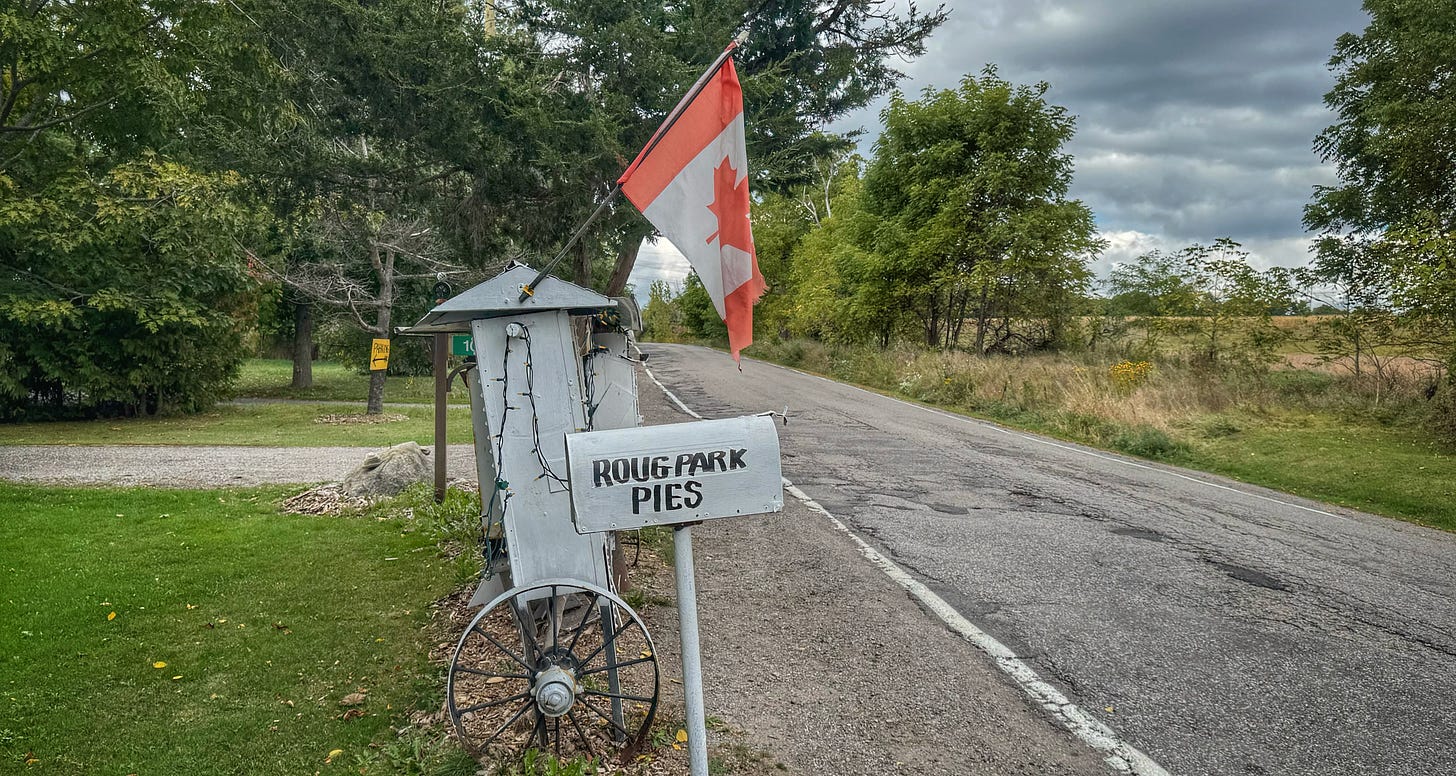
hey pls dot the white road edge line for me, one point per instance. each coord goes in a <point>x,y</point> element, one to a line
<point>669,394</point>
<point>1118,754</point>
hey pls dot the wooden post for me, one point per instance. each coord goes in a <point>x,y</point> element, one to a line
<point>442,346</point>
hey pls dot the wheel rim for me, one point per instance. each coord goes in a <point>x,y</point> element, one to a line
<point>561,666</point>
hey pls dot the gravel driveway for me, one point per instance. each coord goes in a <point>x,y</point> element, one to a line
<point>194,466</point>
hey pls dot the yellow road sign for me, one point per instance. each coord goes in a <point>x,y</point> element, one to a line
<point>379,355</point>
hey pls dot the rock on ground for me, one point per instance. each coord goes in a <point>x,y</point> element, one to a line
<point>388,471</point>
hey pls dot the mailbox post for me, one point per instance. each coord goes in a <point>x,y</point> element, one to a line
<point>526,394</point>
<point>440,366</point>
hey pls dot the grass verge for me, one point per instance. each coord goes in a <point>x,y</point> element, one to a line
<point>186,632</point>
<point>268,425</point>
<point>1391,471</point>
<point>271,378</point>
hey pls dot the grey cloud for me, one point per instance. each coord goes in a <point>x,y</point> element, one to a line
<point>657,260</point>
<point>1195,198</point>
<point>1195,118</point>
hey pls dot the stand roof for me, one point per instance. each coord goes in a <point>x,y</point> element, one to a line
<point>498,297</point>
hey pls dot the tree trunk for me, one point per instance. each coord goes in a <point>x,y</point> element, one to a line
<point>932,320</point>
<point>385,271</point>
<point>960,318</point>
<point>626,259</point>
<point>376,392</point>
<point>581,265</point>
<point>302,345</point>
<point>981,323</point>
<point>1357,350</point>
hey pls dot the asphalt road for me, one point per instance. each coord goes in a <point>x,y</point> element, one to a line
<point>1218,627</point>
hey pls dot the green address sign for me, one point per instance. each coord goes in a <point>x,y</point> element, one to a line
<point>462,345</point>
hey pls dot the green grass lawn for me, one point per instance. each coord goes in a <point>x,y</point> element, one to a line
<point>236,632</point>
<point>271,425</point>
<point>270,378</point>
<point>1395,471</point>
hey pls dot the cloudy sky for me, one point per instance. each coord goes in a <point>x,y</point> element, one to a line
<point>1194,117</point>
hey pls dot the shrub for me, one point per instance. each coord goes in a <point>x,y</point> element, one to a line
<point>798,353</point>
<point>1146,442</point>
<point>133,294</point>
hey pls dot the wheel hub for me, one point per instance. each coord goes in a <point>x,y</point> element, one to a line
<point>555,691</point>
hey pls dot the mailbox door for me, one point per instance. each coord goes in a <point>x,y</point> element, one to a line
<point>613,382</point>
<point>531,389</point>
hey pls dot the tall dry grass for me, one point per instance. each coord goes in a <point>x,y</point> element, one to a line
<point>1148,407</point>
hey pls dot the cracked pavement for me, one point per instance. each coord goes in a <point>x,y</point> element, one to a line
<point>1220,628</point>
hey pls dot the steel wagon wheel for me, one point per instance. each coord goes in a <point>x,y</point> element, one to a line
<point>563,666</point>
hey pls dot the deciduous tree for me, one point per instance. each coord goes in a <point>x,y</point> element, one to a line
<point>122,293</point>
<point>970,187</point>
<point>1388,226</point>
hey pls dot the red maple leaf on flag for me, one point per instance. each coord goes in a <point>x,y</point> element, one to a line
<point>730,205</point>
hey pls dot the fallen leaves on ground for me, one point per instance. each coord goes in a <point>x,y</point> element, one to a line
<point>322,500</point>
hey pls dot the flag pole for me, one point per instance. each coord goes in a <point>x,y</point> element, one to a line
<point>529,290</point>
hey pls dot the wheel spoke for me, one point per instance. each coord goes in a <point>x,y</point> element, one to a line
<point>535,726</point>
<point>528,628</point>
<point>503,648</point>
<point>478,672</point>
<point>609,720</point>
<point>590,750</point>
<point>507,723</point>
<point>585,619</point>
<point>621,696</point>
<point>634,661</point>
<point>479,706</point>
<point>617,634</point>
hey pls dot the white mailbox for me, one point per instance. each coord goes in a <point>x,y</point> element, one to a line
<point>680,473</point>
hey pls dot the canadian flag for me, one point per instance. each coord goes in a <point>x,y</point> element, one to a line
<point>691,182</point>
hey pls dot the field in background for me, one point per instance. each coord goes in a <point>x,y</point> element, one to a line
<point>310,417</point>
<point>1316,433</point>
